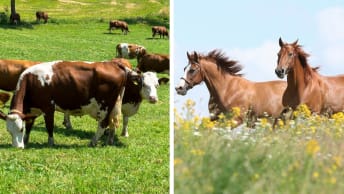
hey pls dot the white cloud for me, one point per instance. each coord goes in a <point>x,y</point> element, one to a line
<point>331,35</point>
<point>330,23</point>
<point>260,62</point>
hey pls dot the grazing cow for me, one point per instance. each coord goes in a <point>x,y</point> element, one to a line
<point>129,51</point>
<point>15,18</point>
<point>153,62</point>
<point>144,88</point>
<point>78,88</point>
<point>116,24</point>
<point>42,15</point>
<point>161,30</point>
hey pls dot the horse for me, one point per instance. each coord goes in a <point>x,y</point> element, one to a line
<point>228,89</point>
<point>322,94</point>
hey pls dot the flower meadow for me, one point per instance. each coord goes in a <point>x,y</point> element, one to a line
<point>301,155</point>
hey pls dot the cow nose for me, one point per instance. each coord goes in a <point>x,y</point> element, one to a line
<point>153,99</point>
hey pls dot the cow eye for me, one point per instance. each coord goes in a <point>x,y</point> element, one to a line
<point>290,54</point>
<point>191,71</point>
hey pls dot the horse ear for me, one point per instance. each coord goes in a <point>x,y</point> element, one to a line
<point>195,57</point>
<point>295,43</point>
<point>189,57</point>
<point>280,42</point>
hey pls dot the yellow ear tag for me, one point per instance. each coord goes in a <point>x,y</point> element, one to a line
<point>136,83</point>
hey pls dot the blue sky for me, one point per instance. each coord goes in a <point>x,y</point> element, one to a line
<point>248,31</point>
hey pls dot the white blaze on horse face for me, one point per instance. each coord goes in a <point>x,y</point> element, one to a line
<point>16,127</point>
<point>181,88</point>
<point>43,71</point>
<point>149,89</point>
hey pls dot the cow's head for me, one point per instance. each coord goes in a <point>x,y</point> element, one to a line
<point>140,51</point>
<point>149,87</point>
<point>15,123</point>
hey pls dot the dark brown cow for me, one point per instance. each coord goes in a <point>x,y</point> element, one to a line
<point>15,18</point>
<point>129,51</point>
<point>117,24</point>
<point>42,15</point>
<point>161,30</point>
<point>78,88</point>
<point>153,62</point>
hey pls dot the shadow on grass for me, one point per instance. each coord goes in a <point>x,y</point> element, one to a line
<point>69,132</point>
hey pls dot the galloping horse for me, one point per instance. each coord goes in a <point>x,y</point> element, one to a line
<point>322,94</point>
<point>228,89</point>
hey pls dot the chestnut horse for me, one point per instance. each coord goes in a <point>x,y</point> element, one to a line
<point>322,94</point>
<point>228,89</point>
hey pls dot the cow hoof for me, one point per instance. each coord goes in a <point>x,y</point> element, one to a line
<point>51,141</point>
<point>125,134</point>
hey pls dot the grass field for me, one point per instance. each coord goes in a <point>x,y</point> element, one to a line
<point>78,30</point>
<point>304,155</point>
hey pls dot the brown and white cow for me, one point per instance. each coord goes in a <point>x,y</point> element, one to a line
<point>159,63</point>
<point>145,87</point>
<point>117,24</point>
<point>129,51</point>
<point>161,30</point>
<point>78,88</point>
<point>42,15</point>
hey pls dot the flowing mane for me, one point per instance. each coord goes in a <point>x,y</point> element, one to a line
<point>223,62</point>
<point>302,55</point>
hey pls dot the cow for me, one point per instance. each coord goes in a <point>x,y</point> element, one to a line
<point>161,30</point>
<point>129,51</point>
<point>153,62</point>
<point>78,88</point>
<point>134,93</point>
<point>42,15</point>
<point>15,18</point>
<point>117,24</point>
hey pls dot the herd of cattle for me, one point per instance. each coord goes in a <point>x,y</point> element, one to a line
<point>104,90</point>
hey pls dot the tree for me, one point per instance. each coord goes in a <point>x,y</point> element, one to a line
<point>15,17</point>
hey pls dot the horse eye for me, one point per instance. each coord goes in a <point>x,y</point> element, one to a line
<point>191,71</point>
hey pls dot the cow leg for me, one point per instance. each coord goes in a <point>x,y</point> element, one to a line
<point>28,127</point>
<point>99,133</point>
<point>114,119</point>
<point>125,126</point>
<point>49,124</point>
<point>66,121</point>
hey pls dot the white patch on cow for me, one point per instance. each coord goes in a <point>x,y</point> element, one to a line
<point>92,109</point>
<point>149,89</point>
<point>129,109</point>
<point>125,50</point>
<point>43,71</point>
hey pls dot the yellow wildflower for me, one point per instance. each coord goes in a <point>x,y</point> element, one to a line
<point>236,111</point>
<point>197,152</point>
<point>177,161</point>
<point>312,147</point>
<point>302,110</point>
<point>337,160</point>
<point>315,175</point>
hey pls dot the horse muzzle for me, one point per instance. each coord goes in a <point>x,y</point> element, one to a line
<point>280,73</point>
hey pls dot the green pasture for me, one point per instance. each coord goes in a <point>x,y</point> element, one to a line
<point>78,30</point>
<point>304,155</point>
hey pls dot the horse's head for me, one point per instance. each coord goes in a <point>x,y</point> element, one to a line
<point>192,75</point>
<point>286,58</point>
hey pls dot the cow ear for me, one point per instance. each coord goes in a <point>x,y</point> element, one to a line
<point>280,42</point>
<point>3,116</point>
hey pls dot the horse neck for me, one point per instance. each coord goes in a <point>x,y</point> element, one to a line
<point>297,82</point>
<point>216,82</point>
